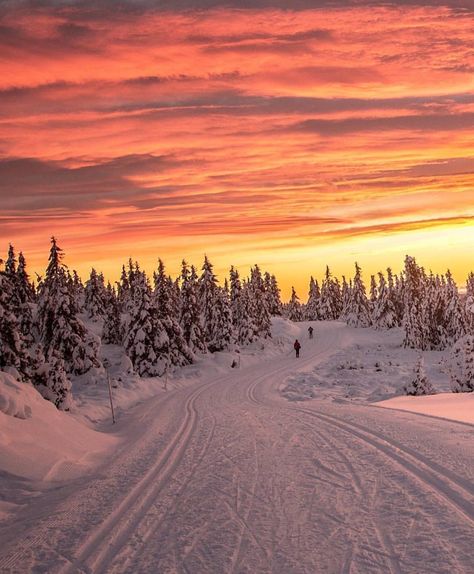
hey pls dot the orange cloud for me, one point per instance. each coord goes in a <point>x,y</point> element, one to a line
<point>233,131</point>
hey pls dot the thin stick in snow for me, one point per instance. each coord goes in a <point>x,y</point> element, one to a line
<point>110,397</point>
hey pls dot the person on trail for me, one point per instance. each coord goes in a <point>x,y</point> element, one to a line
<point>310,331</point>
<point>297,347</point>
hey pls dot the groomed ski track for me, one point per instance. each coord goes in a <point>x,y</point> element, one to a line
<point>228,477</point>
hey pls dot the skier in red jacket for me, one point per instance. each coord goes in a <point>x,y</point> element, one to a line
<point>297,347</point>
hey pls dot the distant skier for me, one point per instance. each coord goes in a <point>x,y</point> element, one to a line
<point>297,347</point>
<point>310,331</point>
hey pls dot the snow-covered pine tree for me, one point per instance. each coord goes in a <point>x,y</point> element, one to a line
<point>60,330</point>
<point>245,331</point>
<point>374,294</point>
<point>224,320</point>
<point>10,263</point>
<point>164,294</point>
<point>145,339</point>
<point>469,303</point>
<point>454,321</point>
<point>26,291</point>
<point>52,382</point>
<point>312,309</point>
<point>384,314</point>
<point>112,333</point>
<point>358,310</point>
<point>95,295</point>
<point>272,294</point>
<point>22,294</point>
<point>258,304</point>
<point>396,289</point>
<point>190,318</point>
<point>211,308</point>
<point>13,347</point>
<point>346,291</point>
<point>331,301</point>
<point>420,384</point>
<point>123,290</point>
<point>416,330</point>
<point>294,309</point>
<point>462,365</point>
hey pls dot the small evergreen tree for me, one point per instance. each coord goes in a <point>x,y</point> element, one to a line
<point>190,316</point>
<point>420,384</point>
<point>384,314</point>
<point>294,310</point>
<point>52,382</point>
<point>214,315</point>
<point>272,294</point>
<point>312,309</point>
<point>258,304</point>
<point>112,332</point>
<point>13,347</point>
<point>358,309</point>
<point>95,295</point>
<point>462,365</point>
<point>178,350</point>
<point>145,340</point>
<point>331,300</point>
<point>245,330</point>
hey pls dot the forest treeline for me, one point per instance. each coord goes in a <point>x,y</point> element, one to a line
<point>163,322</point>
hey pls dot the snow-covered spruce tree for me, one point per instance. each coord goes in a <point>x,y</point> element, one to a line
<point>272,294</point>
<point>416,329</point>
<point>384,314</point>
<point>211,308</point>
<point>312,309</point>
<point>145,340</point>
<point>112,333</point>
<point>294,309</point>
<point>123,290</point>
<point>61,332</point>
<point>190,316</point>
<point>52,382</point>
<point>358,310</point>
<point>95,295</point>
<point>374,293</point>
<point>26,291</point>
<point>454,319</point>
<point>13,348</point>
<point>224,318</point>
<point>245,331</point>
<point>396,287</point>
<point>331,301</point>
<point>461,369</point>
<point>22,294</point>
<point>76,290</point>
<point>10,263</point>
<point>469,303</point>
<point>258,304</point>
<point>346,291</point>
<point>166,306</point>
<point>420,384</point>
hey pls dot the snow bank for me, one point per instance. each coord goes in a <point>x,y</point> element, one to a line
<point>454,406</point>
<point>39,442</point>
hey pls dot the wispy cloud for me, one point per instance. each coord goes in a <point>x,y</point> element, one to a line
<point>260,123</point>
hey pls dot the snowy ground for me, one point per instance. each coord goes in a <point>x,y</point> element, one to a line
<point>281,466</point>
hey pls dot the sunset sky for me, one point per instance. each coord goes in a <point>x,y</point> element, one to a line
<point>262,132</point>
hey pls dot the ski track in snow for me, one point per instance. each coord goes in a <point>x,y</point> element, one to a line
<point>226,476</point>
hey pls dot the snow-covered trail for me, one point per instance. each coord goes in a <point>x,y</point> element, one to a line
<point>228,477</point>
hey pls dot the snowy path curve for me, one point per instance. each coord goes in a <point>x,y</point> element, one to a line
<point>228,477</point>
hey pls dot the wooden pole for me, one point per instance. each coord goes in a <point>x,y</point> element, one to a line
<point>110,397</point>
